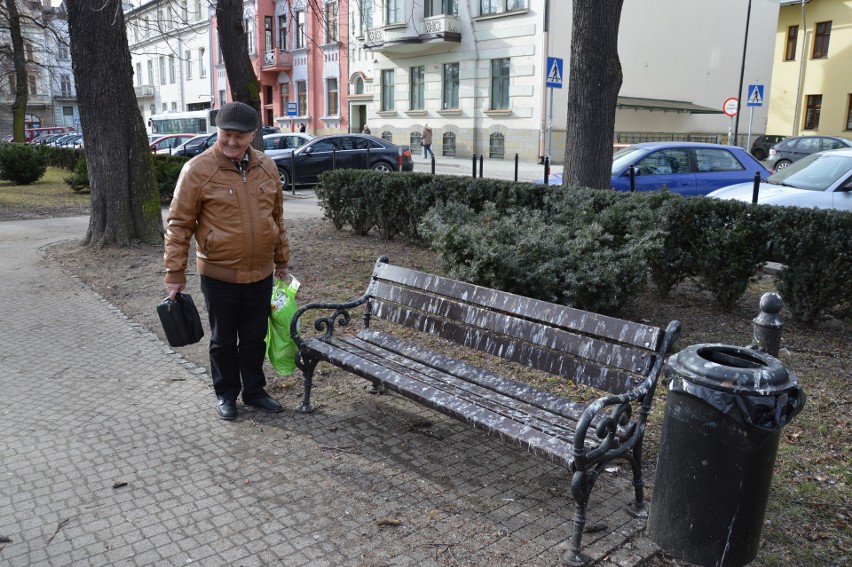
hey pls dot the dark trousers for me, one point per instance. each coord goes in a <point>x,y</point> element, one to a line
<point>239,314</point>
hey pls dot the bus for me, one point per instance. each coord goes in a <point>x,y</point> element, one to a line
<point>193,122</point>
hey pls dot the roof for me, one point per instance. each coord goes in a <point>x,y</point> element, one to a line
<point>634,103</point>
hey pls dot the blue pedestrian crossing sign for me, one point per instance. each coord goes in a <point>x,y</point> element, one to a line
<point>755,95</point>
<point>554,72</point>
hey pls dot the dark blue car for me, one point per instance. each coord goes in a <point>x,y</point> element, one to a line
<point>688,168</point>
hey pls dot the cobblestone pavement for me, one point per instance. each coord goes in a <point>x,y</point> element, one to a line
<point>111,455</point>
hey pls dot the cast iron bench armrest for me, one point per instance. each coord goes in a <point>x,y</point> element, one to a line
<point>325,324</point>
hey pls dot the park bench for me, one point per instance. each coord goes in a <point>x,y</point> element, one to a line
<point>619,358</point>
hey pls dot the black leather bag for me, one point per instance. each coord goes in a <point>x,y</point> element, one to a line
<point>180,320</point>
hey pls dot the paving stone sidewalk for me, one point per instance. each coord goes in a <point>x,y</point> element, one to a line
<point>111,454</point>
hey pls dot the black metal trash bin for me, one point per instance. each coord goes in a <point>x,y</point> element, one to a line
<point>725,408</point>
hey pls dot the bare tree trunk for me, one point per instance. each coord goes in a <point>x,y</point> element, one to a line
<point>242,79</point>
<point>125,199</point>
<point>593,85</point>
<point>19,58</point>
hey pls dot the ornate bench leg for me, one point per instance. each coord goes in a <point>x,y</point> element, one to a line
<point>376,388</point>
<point>638,508</point>
<point>581,488</point>
<point>308,371</point>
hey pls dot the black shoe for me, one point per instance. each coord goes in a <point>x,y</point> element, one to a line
<point>266,403</point>
<point>227,409</point>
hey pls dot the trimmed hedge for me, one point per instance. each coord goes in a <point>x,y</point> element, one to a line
<point>595,249</point>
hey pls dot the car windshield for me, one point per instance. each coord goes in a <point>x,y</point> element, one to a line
<point>624,157</point>
<point>815,172</point>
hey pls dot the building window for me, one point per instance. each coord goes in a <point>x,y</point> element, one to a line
<point>500,83</point>
<point>448,144</point>
<point>451,86</point>
<point>302,97</point>
<point>416,88</point>
<point>223,98</point>
<point>491,7</point>
<point>150,72</point>
<point>496,145</point>
<point>174,107</point>
<point>63,53</point>
<point>162,69</point>
<point>188,63</point>
<point>164,107</point>
<point>821,37</point>
<point>285,97</point>
<point>393,11</point>
<point>331,22</point>
<point>792,40</point>
<point>331,94</point>
<point>172,69</point>
<point>359,85</point>
<point>248,26</point>
<point>849,113</point>
<point>415,141</point>
<point>387,136</point>
<point>65,86</point>
<point>268,34</point>
<point>282,32</point>
<point>387,89</point>
<point>439,7</point>
<point>813,106</point>
<point>367,13</point>
<point>202,70</point>
<point>139,74</point>
<point>300,30</point>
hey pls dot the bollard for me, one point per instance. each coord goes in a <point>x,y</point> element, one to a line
<point>547,170</point>
<point>756,187</point>
<point>632,171</point>
<point>368,157</point>
<point>481,159</point>
<point>768,324</point>
<point>293,172</point>
<point>516,168</point>
<point>433,165</point>
<point>399,159</point>
<point>474,166</point>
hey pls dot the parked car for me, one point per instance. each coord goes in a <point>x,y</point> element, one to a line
<point>269,130</point>
<point>275,144</point>
<point>196,145</point>
<point>167,144</point>
<point>822,180</point>
<point>353,151</point>
<point>73,140</point>
<point>688,168</point>
<point>792,149</point>
<point>760,146</point>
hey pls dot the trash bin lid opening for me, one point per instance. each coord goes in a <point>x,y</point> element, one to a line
<point>737,358</point>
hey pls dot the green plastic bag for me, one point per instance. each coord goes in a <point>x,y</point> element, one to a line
<point>280,348</point>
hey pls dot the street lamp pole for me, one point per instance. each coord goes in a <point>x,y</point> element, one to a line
<point>742,72</point>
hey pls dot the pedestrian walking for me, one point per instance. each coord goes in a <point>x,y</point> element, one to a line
<point>426,140</point>
<point>229,198</point>
<point>366,130</point>
<point>301,127</point>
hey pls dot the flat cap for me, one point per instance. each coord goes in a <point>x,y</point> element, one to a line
<point>237,116</point>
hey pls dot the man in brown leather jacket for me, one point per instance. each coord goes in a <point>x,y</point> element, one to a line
<point>229,197</point>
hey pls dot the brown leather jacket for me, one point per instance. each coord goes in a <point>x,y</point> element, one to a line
<point>237,219</point>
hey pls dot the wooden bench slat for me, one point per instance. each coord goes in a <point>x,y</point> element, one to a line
<point>627,332</point>
<point>536,441</point>
<point>527,394</point>
<point>607,353</point>
<point>580,371</point>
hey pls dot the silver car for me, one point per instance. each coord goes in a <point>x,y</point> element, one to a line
<point>822,180</point>
<point>790,150</point>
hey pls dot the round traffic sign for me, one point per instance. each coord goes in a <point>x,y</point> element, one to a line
<point>731,106</point>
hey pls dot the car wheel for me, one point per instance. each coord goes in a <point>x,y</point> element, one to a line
<point>782,164</point>
<point>759,154</point>
<point>382,166</point>
<point>285,177</point>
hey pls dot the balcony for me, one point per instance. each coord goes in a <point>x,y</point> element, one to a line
<point>32,100</point>
<point>277,60</point>
<point>144,91</point>
<point>400,39</point>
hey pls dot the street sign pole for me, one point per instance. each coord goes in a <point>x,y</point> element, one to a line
<point>554,81</point>
<point>550,124</point>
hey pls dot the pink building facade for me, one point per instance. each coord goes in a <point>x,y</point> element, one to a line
<point>299,52</point>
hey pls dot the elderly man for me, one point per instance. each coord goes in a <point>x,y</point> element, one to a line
<point>229,197</point>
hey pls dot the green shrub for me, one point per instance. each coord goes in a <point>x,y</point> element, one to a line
<point>21,163</point>
<point>166,171</point>
<point>79,180</point>
<point>63,158</point>
<point>816,248</point>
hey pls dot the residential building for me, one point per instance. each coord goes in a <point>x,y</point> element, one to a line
<point>299,58</point>
<point>811,90</point>
<point>476,71</point>
<point>170,49</point>
<point>52,99</point>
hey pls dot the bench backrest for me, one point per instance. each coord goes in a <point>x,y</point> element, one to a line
<point>603,352</point>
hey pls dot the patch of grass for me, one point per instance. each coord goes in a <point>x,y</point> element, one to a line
<point>50,196</point>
